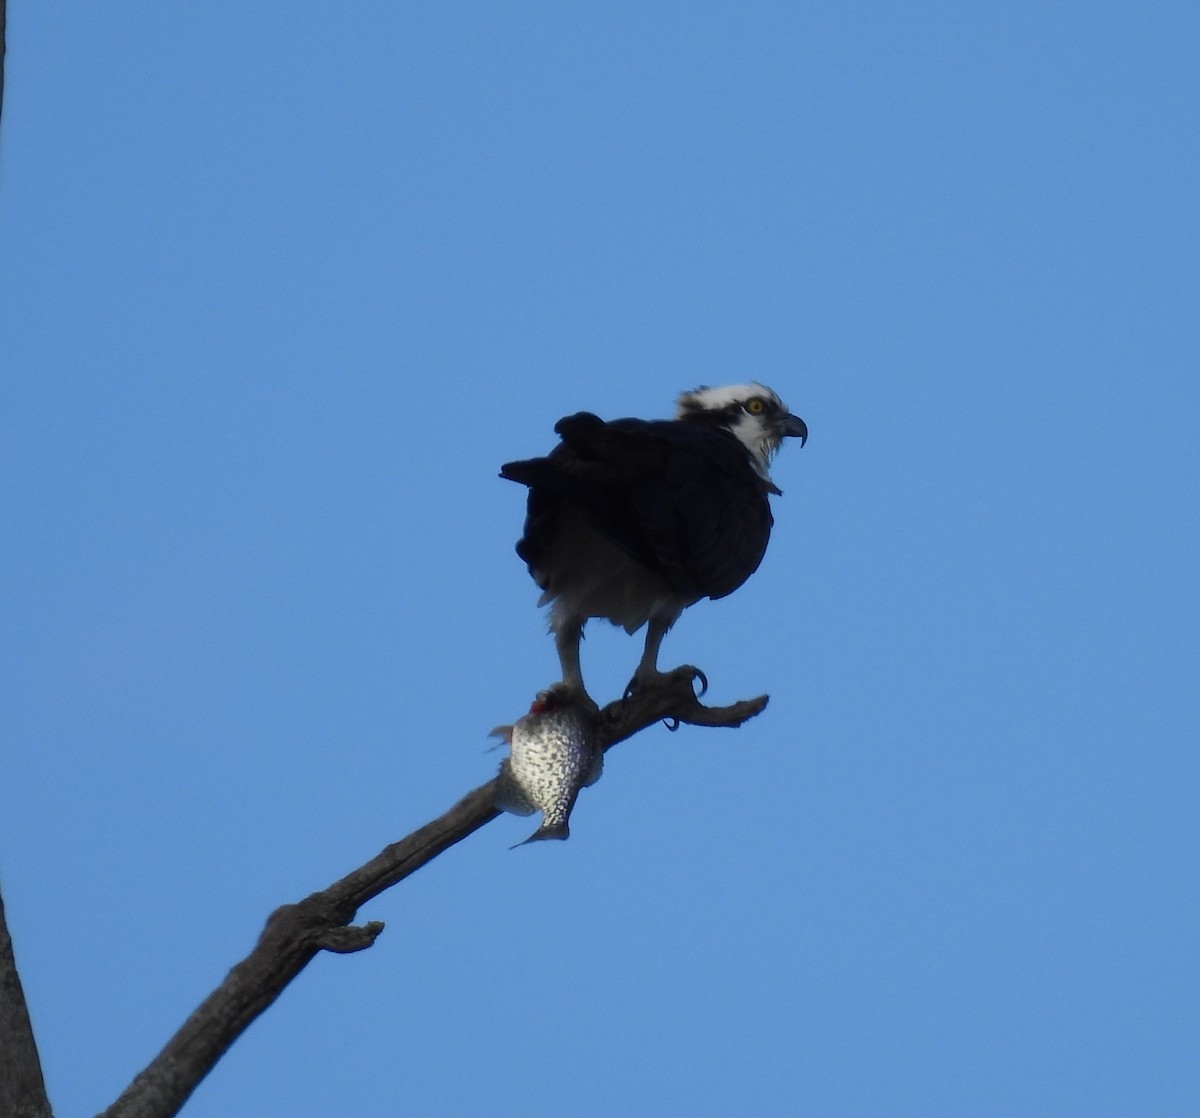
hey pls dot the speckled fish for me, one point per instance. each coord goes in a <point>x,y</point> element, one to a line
<point>553,753</point>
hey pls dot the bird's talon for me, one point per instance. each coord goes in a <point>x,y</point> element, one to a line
<point>671,723</point>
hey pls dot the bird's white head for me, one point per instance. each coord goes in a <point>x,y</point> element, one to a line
<point>752,413</point>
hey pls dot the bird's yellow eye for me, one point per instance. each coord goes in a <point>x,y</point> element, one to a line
<point>756,406</point>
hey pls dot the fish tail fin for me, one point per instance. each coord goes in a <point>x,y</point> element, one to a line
<point>553,831</point>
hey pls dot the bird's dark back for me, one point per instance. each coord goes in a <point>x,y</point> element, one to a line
<point>683,500</point>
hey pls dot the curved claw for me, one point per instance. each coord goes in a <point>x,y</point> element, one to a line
<point>671,722</point>
<point>694,674</point>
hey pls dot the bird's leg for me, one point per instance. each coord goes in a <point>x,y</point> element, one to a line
<point>568,632</point>
<point>647,674</point>
<point>647,669</point>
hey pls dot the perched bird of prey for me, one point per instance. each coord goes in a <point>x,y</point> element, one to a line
<point>634,520</point>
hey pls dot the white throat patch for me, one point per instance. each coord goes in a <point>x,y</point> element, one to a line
<point>754,432</point>
<point>754,436</point>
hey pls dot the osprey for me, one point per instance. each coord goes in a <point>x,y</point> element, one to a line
<point>634,520</point>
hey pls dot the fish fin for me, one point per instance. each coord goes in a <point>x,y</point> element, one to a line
<point>556,831</point>
<point>510,796</point>
<point>596,771</point>
<point>503,733</point>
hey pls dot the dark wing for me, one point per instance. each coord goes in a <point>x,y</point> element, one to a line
<point>683,501</point>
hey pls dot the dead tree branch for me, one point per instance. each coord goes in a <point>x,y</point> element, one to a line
<point>3,42</point>
<point>295,933</point>
<point>22,1089</point>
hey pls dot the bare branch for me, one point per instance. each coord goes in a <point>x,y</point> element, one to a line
<point>672,701</point>
<point>295,933</point>
<point>22,1089</point>
<point>3,42</point>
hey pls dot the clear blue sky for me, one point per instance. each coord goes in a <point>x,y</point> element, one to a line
<point>283,284</point>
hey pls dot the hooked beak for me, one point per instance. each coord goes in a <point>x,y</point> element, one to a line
<point>794,427</point>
